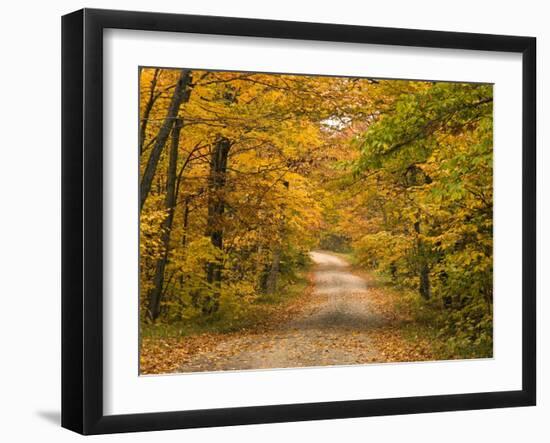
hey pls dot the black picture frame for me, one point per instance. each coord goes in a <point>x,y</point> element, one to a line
<point>82,219</point>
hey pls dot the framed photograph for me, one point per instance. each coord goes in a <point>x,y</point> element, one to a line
<point>269,221</point>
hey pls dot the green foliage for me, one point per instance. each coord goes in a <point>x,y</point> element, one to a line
<point>428,169</point>
<point>225,320</point>
<point>269,167</point>
<point>453,334</point>
<point>334,242</point>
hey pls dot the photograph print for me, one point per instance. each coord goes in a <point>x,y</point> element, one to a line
<point>292,221</point>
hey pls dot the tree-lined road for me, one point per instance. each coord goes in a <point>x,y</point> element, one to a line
<point>333,329</point>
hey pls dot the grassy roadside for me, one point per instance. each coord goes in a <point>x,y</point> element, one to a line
<point>413,321</point>
<point>166,346</point>
<point>256,314</point>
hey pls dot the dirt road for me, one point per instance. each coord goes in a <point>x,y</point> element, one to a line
<point>333,329</point>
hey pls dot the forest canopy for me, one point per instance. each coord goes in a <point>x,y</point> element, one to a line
<point>243,174</point>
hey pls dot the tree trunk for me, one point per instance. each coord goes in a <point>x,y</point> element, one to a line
<point>147,111</point>
<point>185,227</point>
<point>272,277</point>
<point>181,94</point>
<point>425,290</point>
<point>185,221</point>
<point>214,222</point>
<point>155,294</point>
<point>424,269</point>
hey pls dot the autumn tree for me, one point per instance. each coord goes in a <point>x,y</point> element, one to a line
<point>242,174</point>
<point>427,168</point>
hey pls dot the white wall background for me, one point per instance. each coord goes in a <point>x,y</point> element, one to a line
<point>30,219</point>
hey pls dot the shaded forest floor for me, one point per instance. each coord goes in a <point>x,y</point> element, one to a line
<point>336,315</point>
